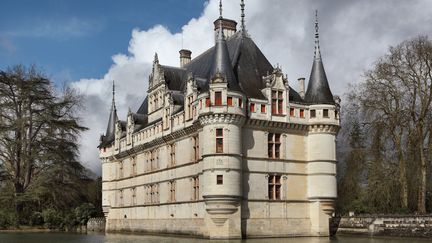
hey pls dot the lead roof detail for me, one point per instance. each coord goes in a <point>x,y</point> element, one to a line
<point>318,91</point>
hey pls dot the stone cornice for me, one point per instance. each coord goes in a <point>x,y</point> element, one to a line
<point>323,128</point>
<point>211,118</point>
<point>158,141</point>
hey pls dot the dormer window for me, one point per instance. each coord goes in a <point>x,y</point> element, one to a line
<point>218,98</point>
<point>277,102</point>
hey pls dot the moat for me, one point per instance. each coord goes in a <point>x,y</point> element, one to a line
<point>123,238</point>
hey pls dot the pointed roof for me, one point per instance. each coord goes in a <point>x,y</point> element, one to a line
<point>113,118</point>
<point>222,62</point>
<point>318,91</point>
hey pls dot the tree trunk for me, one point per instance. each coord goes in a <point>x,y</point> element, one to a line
<point>402,174</point>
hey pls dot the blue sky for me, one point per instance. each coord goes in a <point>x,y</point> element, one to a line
<point>75,39</point>
<point>91,43</point>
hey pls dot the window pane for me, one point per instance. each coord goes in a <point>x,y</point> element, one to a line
<point>219,145</point>
<point>277,150</point>
<point>207,102</point>
<point>219,179</point>
<point>218,98</point>
<point>292,111</point>
<point>270,192</point>
<point>301,113</point>
<point>280,95</point>
<point>280,106</point>
<point>326,113</point>
<point>229,101</point>
<point>263,110</point>
<point>274,95</point>
<point>277,196</point>
<point>252,107</point>
<point>312,113</point>
<point>277,138</point>
<point>219,132</point>
<point>274,107</point>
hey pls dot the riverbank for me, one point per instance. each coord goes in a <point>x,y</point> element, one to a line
<point>33,229</point>
<point>383,225</point>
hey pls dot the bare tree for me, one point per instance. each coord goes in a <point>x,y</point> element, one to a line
<point>397,95</point>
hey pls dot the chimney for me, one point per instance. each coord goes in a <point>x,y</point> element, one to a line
<point>185,57</point>
<point>229,27</point>
<point>302,87</point>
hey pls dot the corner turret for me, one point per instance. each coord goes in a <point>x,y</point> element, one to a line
<point>318,91</point>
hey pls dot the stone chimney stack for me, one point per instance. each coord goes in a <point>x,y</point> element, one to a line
<point>302,87</point>
<point>185,57</point>
<point>229,27</point>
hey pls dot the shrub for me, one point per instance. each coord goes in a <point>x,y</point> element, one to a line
<point>52,219</point>
<point>36,219</point>
<point>7,220</point>
<point>84,212</point>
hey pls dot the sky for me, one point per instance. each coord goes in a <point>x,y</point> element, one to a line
<point>87,44</point>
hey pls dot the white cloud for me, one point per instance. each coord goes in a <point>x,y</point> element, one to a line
<point>353,35</point>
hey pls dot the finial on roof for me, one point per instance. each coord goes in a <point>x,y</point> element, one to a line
<point>156,59</point>
<point>242,5</point>
<point>220,9</point>
<point>317,46</point>
<point>113,94</point>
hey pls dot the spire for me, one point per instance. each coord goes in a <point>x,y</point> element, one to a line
<point>242,5</point>
<point>317,46</point>
<point>318,91</point>
<point>220,9</point>
<point>109,135</point>
<point>222,62</point>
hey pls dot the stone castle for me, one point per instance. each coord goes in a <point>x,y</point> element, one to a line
<point>223,148</point>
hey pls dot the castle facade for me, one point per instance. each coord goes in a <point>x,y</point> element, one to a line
<point>222,147</point>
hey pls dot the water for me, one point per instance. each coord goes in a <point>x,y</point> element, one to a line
<point>124,238</point>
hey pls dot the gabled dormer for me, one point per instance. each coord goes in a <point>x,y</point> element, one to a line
<point>277,92</point>
<point>191,94</point>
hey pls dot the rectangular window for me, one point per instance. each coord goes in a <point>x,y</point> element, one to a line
<point>219,179</point>
<point>200,104</point>
<point>134,166</point>
<point>240,102</point>
<point>230,101</point>
<point>274,187</point>
<point>301,113</point>
<point>336,114</point>
<point>172,154</point>
<point>312,113</point>
<point>263,108</point>
<point>274,145</point>
<point>172,191</point>
<point>277,102</point>
<point>195,182</point>
<point>121,169</point>
<point>252,107</point>
<point>219,140</point>
<point>207,102</point>
<point>292,112</point>
<point>326,113</point>
<point>196,148</point>
<point>218,98</point>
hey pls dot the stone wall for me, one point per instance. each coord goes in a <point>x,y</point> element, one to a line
<point>407,226</point>
<point>96,224</point>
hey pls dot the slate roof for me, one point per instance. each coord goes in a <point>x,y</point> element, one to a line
<point>248,65</point>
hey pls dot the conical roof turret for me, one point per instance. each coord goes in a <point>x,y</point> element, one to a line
<point>221,60</point>
<point>318,91</point>
<point>110,132</point>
